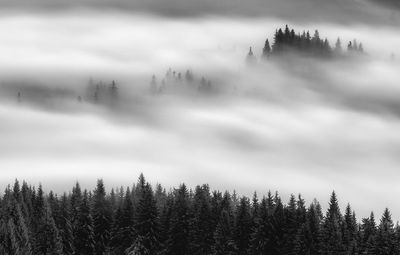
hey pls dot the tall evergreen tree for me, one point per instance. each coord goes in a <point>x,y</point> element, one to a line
<point>123,232</point>
<point>201,226</point>
<point>223,236</point>
<point>385,235</point>
<point>177,243</point>
<point>266,50</point>
<point>147,224</point>
<point>332,229</point>
<point>83,233</point>
<point>102,216</point>
<point>65,226</point>
<point>243,226</point>
<point>48,240</point>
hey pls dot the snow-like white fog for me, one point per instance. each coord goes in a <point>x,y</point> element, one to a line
<point>308,126</point>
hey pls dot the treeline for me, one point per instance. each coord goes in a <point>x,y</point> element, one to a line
<point>288,41</point>
<point>140,220</point>
<point>175,80</point>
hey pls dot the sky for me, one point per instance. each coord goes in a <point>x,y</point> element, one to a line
<point>304,126</point>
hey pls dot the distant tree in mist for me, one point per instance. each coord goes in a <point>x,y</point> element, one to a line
<point>266,50</point>
<point>250,58</point>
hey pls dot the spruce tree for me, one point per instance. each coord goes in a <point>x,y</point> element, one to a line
<point>65,226</point>
<point>102,216</point>
<point>83,233</point>
<point>332,237</point>
<point>123,232</point>
<point>385,236</point>
<point>243,226</point>
<point>201,226</point>
<point>48,240</point>
<point>224,243</point>
<point>260,238</point>
<point>266,50</point>
<point>147,225</point>
<point>177,243</point>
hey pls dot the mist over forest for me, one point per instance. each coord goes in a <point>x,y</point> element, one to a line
<point>109,90</point>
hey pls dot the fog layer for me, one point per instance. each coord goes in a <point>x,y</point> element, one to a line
<point>306,125</point>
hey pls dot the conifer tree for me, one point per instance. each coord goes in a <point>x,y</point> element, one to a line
<point>147,225</point>
<point>65,226</point>
<point>350,230</point>
<point>260,238</point>
<point>48,240</point>
<point>123,233</point>
<point>177,243</point>
<point>385,235</point>
<point>83,233</point>
<point>201,226</point>
<point>266,50</point>
<point>338,47</point>
<point>243,226</point>
<point>332,237</point>
<point>250,59</point>
<point>102,216</point>
<point>223,236</point>
<point>367,235</point>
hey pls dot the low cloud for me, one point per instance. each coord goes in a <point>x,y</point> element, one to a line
<point>303,125</point>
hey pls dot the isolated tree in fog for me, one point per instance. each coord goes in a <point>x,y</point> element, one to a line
<point>338,47</point>
<point>250,59</point>
<point>266,50</point>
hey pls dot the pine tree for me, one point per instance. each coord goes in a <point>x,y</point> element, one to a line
<point>201,226</point>
<point>367,235</point>
<point>291,225</point>
<point>332,229</point>
<point>349,230</point>
<point>83,233</point>
<point>177,243</point>
<point>147,228</point>
<point>310,237</point>
<point>123,233</point>
<point>243,226</point>
<point>65,226</point>
<point>250,58</point>
<point>223,236</point>
<point>48,240</point>
<point>385,235</point>
<point>260,238</point>
<point>75,202</point>
<point>338,47</point>
<point>266,50</point>
<point>102,216</point>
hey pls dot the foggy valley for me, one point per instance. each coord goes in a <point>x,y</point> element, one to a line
<point>108,90</point>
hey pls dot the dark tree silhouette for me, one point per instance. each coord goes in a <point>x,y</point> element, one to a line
<point>139,220</point>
